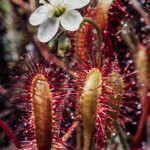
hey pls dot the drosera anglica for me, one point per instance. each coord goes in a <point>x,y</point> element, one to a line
<point>39,102</point>
<point>93,103</point>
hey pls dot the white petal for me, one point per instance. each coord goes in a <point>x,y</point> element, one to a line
<point>71,20</point>
<point>42,2</point>
<point>76,4</point>
<point>47,30</point>
<point>40,15</point>
<point>55,2</point>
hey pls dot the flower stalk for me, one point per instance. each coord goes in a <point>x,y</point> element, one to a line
<point>94,24</point>
<point>99,34</point>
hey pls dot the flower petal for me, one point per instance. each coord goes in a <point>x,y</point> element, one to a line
<point>75,4</point>
<point>40,15</point>
<point>71,20</point>
<point>47,30</point>
<point>55,2</point>
<point>42,2</point>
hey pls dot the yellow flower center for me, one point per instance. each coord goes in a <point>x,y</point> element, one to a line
<point>58,11</point>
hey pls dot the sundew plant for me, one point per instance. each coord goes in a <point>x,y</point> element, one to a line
<point>75,74</point>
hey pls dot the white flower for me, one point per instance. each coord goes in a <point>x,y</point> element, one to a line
<point>55,12</point>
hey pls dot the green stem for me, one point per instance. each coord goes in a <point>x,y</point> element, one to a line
<point>122,136</point>
<point>59,34</point>
<point>94,24</point>
<point>99,34</point>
